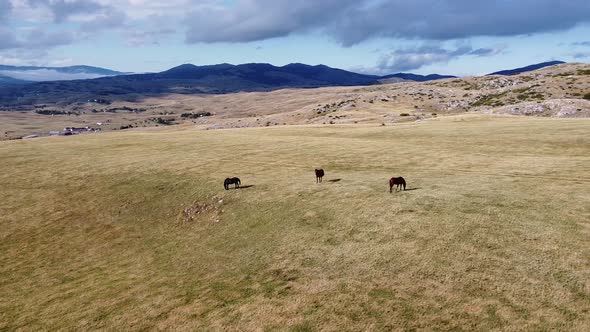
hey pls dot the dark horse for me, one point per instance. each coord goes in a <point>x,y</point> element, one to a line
<point>319,174</point>
<point>397,182</point>
<point>235,181</point>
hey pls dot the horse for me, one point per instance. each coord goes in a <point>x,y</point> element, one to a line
<point>319,174</point>
<point>397,182</point>
<point>235,181</point>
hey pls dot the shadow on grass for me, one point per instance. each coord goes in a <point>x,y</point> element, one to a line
<point>335,180</point>
<point>401,191</point>
<point>246,187</point>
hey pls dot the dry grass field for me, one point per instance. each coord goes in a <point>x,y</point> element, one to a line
<point>133,231</point>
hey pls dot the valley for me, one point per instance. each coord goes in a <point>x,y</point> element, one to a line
<point>556,91</point>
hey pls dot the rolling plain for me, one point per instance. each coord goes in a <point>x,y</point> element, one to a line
<point>132,230</point>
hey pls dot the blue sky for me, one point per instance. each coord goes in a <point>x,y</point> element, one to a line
<point>460,37</point>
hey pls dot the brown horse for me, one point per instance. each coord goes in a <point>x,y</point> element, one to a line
<point>397,182</point>
<point>319,174</point>
<point>235,181</point>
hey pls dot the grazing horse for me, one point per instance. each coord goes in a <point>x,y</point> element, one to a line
<point>397,182</point>
<point>235,181</point>
<point>319,174</point>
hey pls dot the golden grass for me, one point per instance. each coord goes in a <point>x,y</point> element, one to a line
<point>494,234</point>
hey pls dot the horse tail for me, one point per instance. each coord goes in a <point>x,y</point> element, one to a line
<point>404,183</point>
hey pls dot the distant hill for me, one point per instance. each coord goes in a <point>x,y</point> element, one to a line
<point>9,80</point>
<point>269,76</point>
<point>70,69</point>
<point>527,68</point>
<point>41,74</point>
<point>417,78</point>
<point>191,79</point>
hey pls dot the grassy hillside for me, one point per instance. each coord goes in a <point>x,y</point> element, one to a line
<point>559,91</point>
<point>133,230</point>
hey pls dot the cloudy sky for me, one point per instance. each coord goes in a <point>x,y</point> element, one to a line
<point>461,37</point>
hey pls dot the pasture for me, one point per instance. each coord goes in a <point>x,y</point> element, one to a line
<point>133,230</point>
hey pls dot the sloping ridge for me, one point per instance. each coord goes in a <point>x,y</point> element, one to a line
<point>417,78</point>
<point>11,80</point>
<point>521,70</point>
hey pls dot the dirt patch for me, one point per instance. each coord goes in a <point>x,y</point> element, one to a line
<point>203,212</point>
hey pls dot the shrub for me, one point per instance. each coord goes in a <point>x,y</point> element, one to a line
<point>53,112</point>
<point>587,96</point>
<point>404,114</point>
<point>163,121</point>
<point>195,115</point>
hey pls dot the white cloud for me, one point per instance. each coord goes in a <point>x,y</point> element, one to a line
<point>32,58</point>
<point>415,58</point>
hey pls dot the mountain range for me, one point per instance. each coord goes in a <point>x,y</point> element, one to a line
<point>189,79</point>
